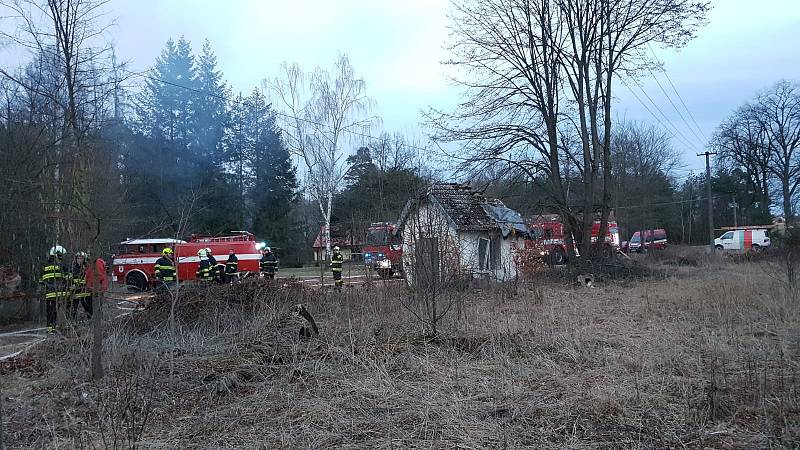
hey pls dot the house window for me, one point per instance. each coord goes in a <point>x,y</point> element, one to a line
<point>494,253</point>
<point>483,253</point>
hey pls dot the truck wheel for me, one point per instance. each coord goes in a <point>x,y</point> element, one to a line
<point>385,273</point>
<point>557,257</point>
<point>136,282</point>
<point>755,248</point>
<point>719,248</point>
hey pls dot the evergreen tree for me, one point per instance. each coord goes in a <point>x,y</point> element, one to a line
<point>274,189</point>
<point>220,210</point>
<point>238,145</point>
<point>165,108</point>
<point>210,107</point>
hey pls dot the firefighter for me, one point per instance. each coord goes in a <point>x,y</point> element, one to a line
<point>165,270</point>
<point>80,294</point>
<point>204,268</point>
<point>336,266</point>
<point>54,284</point>
<point>269,263</point>
<point>216,271</point>
<point>231,266</point>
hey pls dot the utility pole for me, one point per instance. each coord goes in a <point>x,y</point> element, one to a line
<point>710,200</point>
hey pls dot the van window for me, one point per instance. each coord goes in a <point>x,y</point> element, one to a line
<point>728,235</point>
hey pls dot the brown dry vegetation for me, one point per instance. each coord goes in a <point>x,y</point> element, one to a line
<point>695,357</point>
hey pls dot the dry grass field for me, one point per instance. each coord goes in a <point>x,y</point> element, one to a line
<point>701,356</point>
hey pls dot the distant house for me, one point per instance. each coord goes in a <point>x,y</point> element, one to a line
<point>340,237</point>
<point>450,230</point>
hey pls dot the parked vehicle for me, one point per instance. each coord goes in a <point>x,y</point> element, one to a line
<point>133,263</point>
<point>743,239</point>
<point>548,237</point>
<point>383,249</point>
<point>654,240</point>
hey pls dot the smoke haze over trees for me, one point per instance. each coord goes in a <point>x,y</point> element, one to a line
<point>94,153</point>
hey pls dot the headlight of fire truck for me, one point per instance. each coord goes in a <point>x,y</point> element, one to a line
<point>543,253</point>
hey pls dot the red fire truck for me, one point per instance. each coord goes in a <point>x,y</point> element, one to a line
<point>547,235</point>
<point>133,263</point>
<point>383,249</point>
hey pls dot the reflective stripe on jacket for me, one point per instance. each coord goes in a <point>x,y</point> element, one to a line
<point>232,265</point>
<point>77,282</point>
<point>54,281</point>
<point>165,269</point>
<point>269,263</point>
<point>336,262</point>
<point>204,270</point>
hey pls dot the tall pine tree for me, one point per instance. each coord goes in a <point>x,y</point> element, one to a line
<point>274,190</point>
<point>216,189</point>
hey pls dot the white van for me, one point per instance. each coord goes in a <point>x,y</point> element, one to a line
<point>743,240</point>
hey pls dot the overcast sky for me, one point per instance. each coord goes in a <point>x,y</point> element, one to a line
<point>397,46</point>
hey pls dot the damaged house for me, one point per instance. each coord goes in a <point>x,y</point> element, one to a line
<point>452,232</point>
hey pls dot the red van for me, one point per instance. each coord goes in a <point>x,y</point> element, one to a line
<point>654,240</point>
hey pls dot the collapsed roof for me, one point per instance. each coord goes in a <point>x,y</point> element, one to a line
<point>468,210</point>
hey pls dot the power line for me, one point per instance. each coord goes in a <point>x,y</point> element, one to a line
<point>679,135</point>
<point>715,197</point>
<point>680,114</point>
<point>674,89</point>
<point>664,115</point>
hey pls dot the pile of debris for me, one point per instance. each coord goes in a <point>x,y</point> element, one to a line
<point>194,305</point>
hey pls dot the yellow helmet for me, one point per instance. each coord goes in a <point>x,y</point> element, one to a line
<point>166,251</point>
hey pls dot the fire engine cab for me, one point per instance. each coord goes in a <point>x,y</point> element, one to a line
<point>134,261</point>
<point>383,249</point>
<point>547,236</point>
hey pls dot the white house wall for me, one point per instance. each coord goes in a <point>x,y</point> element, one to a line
<point>429,220</point>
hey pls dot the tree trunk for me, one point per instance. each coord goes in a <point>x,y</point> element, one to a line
<point>97,335</point>
<point>787,198</point>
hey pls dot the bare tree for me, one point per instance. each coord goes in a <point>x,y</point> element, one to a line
<point>607,39</point>
<point>541,70</point>
<point>320,114</point>
<point>778,112</point>
<point>73,87</point>
<point>511,118</point>
<point>641,156</point>
<point>741,143</point>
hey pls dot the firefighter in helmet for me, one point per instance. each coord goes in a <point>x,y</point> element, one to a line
<point>204,268</point>
<point>216,270</point>
<point>165,270</point>
<point>268,263</point>
<point>336,266</point>
<point>232,266</point>
<point>80,294</point>
<point>54,284</point>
